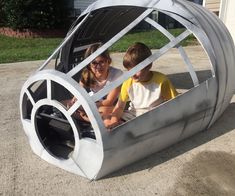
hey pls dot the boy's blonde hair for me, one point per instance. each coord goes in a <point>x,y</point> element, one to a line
<point>136,54</point>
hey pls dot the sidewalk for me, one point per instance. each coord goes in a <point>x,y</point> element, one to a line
<point>201,165</point>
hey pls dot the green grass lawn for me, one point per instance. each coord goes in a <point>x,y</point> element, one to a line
<point>153,39</point>
<point>26,49</point>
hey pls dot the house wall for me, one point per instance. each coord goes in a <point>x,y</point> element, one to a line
<point>197,1</point>
<point>82,4</point>
<point>227,15</point>
<point>213,5</point>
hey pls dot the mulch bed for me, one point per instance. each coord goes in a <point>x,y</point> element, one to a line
<point>32,33</point>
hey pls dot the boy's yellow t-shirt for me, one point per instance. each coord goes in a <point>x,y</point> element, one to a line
<point>142,95</point>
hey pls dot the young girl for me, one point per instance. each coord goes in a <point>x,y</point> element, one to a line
<point>97,75</point>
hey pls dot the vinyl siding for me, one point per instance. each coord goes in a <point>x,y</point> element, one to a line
<point>227,15</point>
<point>82,4</point>
<point>213,5</point>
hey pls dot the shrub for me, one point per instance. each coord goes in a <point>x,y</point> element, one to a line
<point>35,14</point>
<point>2,15</point>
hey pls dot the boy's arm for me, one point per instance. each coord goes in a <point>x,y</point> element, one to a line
<point>168,91</point>
<point>116,115</point>
<point>111,98</point>
<point>157,102</point>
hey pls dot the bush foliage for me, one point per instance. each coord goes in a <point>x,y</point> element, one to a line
<point>35,14</point>
<point>2,15</point>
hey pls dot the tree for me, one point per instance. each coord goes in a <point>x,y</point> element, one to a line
<point>2,15</point>
<point>35,14</point>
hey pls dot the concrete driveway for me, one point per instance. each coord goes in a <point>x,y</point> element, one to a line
<point>201,165</point>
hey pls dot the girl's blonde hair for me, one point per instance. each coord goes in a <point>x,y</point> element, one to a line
<point>87,76</point>
<point>93,48</point>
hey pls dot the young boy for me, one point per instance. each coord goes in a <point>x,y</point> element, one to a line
<point>145,90</point>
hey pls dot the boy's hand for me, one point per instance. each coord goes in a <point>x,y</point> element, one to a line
<point>110,123</point>
<point>115,117</point>
<point>107,121</point>
<point>107,124</point>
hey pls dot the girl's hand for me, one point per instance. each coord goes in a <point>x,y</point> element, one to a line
<point>71,102</point>
<point>98,104</point>
<point>74,99</point>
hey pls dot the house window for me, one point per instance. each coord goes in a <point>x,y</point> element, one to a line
<point>197,1</point>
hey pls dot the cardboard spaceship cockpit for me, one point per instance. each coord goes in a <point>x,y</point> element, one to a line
<point>58,138</point>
